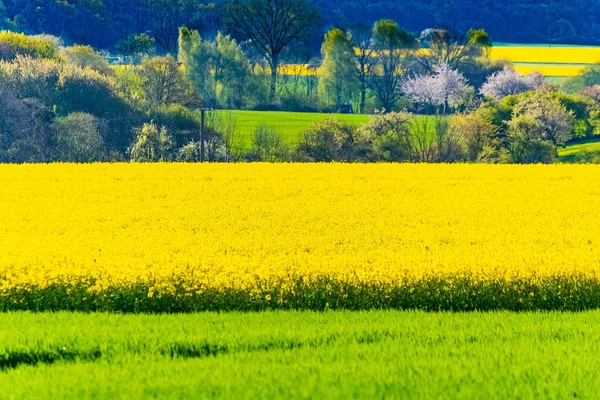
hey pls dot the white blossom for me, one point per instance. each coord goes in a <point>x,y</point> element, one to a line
<point>508,81</point>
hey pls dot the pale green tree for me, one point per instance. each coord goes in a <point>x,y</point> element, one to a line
<point>232,69</point>
<point>198,58</point>
<point>338,80</point>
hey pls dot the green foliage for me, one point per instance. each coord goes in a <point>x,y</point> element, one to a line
<point>479,134</point>
<point>338,80</point>
<point>78,138</point>
<point>527,145</point>
<point>197,57</point>
<point>24,129</point>
<point>479,38</point>
<point>164,83</point>
<point>390,136</point>
<point>580,107</point>
<point>268,145</point>
<point>393,47</point>
<point>189,153</point>
<point>182,123</point>
<point>16,44</point>
<point>136,47</point>
<point>86,56</point>
<point>218,70</point>
<point>232,72</point>
<point>153,144</point>
<point>589,76</point>
<point>331,140</point>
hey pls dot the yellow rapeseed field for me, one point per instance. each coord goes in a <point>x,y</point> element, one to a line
<point>183,237</point>
<point>547,54</point>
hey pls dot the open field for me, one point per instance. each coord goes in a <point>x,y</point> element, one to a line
<point>577,152</point>
<point>180,238</point>
<point>554,61</point>
<point>300,355</point>
<point>291,125</point>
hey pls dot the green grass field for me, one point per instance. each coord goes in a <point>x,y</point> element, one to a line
<point>580,152</point>
<point>291,125</point>
<point>378,354</point>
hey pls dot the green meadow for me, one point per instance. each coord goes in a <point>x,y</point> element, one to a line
<point>293,355</point>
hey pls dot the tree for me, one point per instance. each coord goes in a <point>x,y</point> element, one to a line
<point>442,89</point>
<point>547,119</point>
<point>362,41</point>
<point>338,78</point>
<point>164,82</point>
<point>509,82</point>
<point>15,44</point>
<point>198,58</point>
<point>218,70</point>
<point>479,134</point>
<point>152,144</point>
<point>136,46</point>
<point>78,138</point>
<point>232,69</point>
<point>268,145</point>
<point>562,30</point>
<point>393,46</point>
<point>331,140</point>
<point>390,137</point>
<point>527,144</point>
<point>84,57</point>
<point>24,129</point>
<point>450,47</point>
<point>271,25</point>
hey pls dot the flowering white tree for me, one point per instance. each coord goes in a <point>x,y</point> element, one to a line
<point>508,81</point>
<point>444,88</point>
<point>554,123</point>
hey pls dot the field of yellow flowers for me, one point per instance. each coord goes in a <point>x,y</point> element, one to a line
<point>549,60</point>
<point>179,238</point>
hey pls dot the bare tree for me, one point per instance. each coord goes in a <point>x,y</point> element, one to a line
<point>394,47</point>
<point>362,40</point>
<point>450,47</point>
<point>271,25</point>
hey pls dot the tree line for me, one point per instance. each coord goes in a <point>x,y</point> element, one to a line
<point>104,23</point>
<point>434,96</point>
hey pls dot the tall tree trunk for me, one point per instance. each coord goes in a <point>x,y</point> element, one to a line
<point>363,94</point>
<point>274,65</point>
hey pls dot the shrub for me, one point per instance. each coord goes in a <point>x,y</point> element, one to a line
<point>24,134</point>
<point>17,44</point>
<point>268,145</point>
<point>86,57</point>
<point>478,133</point>
<point>78,138</point>
<point>330,140</point>
<point>152,144</point>
<point>189,153</point>
<point>390,137</point>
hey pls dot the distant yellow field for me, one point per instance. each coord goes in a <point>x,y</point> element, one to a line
<point>549,61</point>
<point>567,55</point>
<point>549,70</point>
